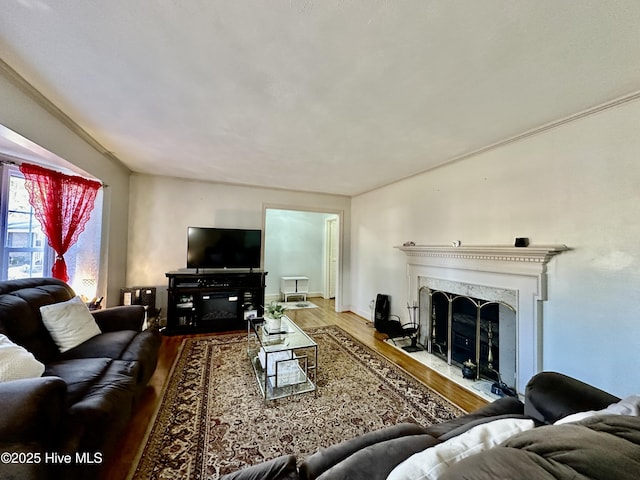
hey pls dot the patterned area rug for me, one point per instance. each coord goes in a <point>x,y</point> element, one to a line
<point>212,419</point>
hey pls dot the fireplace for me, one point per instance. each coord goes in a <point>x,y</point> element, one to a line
<point>217,307</point>
<point>465,330</point>
<point>493,291</point>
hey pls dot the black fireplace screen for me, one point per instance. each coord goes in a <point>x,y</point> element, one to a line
<point>464,329</point>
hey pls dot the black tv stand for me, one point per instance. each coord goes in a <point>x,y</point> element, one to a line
<point>213,301</point>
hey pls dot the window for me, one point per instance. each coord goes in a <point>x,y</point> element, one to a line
<point>25,249</point>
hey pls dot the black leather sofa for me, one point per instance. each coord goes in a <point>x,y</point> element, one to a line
<point>602,447</point>
<point>66,423</point>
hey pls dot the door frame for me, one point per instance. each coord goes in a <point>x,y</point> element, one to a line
<point>329,240</point>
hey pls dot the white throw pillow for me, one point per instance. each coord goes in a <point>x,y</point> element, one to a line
<point>432,462</point>
<point>627,406</point>
<point>70,323</point>
<point>16,362</point>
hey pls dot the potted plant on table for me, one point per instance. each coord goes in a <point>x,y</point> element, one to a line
<point>273,314</point>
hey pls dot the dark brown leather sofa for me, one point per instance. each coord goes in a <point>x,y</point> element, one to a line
<point>65,423</point>
<point>602,447</point>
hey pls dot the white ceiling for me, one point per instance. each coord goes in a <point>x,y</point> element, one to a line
<point>335,96</point>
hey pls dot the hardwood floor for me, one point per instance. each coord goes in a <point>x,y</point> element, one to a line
<point>360,328</point>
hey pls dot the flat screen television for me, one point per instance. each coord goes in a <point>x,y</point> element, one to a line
<point>209,247</point>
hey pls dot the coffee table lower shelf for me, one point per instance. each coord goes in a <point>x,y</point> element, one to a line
<point>289,381</point>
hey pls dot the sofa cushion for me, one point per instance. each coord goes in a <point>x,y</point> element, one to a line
<point>70,323</point>
<point>20,320</point>
<point>106,345</point>
<point>17,363</point>
<point>79,375</point>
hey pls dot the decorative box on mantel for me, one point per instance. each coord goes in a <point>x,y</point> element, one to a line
<point>513,275</point>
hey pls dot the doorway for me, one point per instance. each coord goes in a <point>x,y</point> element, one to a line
<point>302,242</point>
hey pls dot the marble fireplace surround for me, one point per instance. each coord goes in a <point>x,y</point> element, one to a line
<point>519,270</point>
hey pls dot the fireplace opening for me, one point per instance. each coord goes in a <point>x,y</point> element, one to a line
<point>219,306</point>
<point>465,330</point>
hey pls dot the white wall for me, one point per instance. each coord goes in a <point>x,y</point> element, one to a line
<point>161,209</point>
<point>577,184</point>
<point>294,245</point>
<point>22,114</point>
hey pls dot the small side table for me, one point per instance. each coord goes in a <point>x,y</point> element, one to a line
<point>294,286</point>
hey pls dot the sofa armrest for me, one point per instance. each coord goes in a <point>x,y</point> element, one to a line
<point>317,463</point>
<point>32,410</point>
<point>127,317</point>
<point>281,468</point>
<point>378,461</point>
<point>550,396</point>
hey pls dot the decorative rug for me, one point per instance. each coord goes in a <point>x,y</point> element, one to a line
<point>298,305</point>
<point>212,419</point>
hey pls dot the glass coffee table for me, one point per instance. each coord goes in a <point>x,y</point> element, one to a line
<point>285,363</point>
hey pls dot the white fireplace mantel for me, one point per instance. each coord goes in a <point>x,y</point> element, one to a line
<point>520,269</point>
<point>540,254</point>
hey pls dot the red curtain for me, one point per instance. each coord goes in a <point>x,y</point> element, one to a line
<point>63,204</point>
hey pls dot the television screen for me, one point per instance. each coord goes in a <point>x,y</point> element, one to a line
<point>223,248</point>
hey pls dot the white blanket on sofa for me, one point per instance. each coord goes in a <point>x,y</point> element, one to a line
<point>433,461</point>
